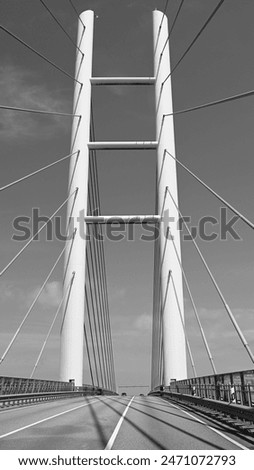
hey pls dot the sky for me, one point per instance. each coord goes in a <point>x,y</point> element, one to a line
<point>216,143</point>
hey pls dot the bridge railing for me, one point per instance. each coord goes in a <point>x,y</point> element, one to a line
<point>235,387</point>
<point>20,390</point>
<point>20,385</point>
<point>243,395</point>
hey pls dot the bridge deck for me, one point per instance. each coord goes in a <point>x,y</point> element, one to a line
<point>91,423</point>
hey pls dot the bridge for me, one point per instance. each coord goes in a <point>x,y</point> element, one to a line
<point>79,276</point>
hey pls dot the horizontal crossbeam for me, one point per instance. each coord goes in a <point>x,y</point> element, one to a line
<point>123,219</point>
<point>122,81</point>
<point>142,145</point>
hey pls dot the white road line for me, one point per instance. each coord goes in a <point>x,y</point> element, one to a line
<point>47,419</point>
<point>212,429</point>
<point>117,428</point>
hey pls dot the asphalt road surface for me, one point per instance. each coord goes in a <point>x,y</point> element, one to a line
<point>116,423</point>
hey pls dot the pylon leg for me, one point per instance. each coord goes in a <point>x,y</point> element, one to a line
<point>72,334</point>
<point>174,347</point>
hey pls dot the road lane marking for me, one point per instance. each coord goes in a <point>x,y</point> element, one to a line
<point>212,429</point>
<point>117,428</point>
<point>47,419</point>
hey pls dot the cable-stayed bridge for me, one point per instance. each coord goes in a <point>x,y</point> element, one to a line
<point>94,411</point>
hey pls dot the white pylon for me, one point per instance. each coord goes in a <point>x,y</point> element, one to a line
<point>174,346</point>
<point>72,333</point>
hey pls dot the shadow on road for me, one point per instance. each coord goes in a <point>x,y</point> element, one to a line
<point>166,423</point>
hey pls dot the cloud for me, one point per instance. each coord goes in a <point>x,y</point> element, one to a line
<point>118,90</point>
<point>214,318</point>
<point>221,335</point>
<point>13,293</point>
<point>21,358</point>
<point>143,322</point>
<point>21,88</point>
<point>10,292</point>
<point>50,296</point>
<point>196,5</point>
<point>117,294</point>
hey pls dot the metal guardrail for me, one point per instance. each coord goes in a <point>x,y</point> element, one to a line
<point>21,385</point>
<point>230,393</point>
<point>28,398</point>
<point>232,410</point>
<point>227,397</point>
<point>16,391</point>
<point>235,387</point>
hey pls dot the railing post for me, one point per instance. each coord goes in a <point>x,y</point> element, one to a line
<point>73,310</point>
<point>174,345</point>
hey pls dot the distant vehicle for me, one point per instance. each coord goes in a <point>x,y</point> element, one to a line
<point>141,395</point>
<point>124,394</point>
